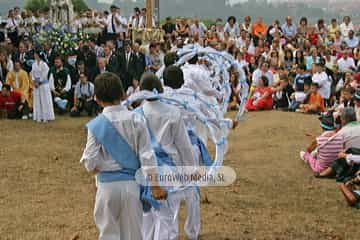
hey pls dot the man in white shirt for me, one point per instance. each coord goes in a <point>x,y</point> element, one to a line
<point>263,70</point>
<point>198,28</point>
<point>116,24</point>
<point>346,26</point>
<point>322,79</point>
<point>346,63</point>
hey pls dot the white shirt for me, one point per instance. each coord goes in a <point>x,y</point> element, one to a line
<point>344,29</point>
<point>39,71</point>
<point>198,79</point>
<point>351,135</point>
<point>118,28</point>
<point>258,74</point>
<point>200,29</point>
<point>346,64</point>
<point>324,84</point>
<point>67,85</point>
<point>168,126</point>
<point>132,127</point>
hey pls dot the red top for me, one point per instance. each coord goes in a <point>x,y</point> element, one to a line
<point>9,103</point>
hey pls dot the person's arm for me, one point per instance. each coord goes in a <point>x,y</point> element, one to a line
<point>68,84</point>
<point>91,154</point>
<point>51,83</point>
<point>351,158</point>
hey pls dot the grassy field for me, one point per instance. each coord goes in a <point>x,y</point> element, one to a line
<point>46,193</point>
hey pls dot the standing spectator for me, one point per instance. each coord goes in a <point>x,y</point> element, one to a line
<point>169,27</point>
<point>116,24</point>
<point>43,104</point>
<point>346,26</point>
<point>289,30</point>
<point>112,60</point>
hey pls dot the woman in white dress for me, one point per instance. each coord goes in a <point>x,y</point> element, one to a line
<point>43,104</point>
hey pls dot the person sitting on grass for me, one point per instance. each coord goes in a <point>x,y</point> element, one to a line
<point>315,103</point>
<point>235,91</point>
<point>261,99</point>
<point>327,146</point>
<point>299,97</point>
<point>84,97</point>
<point>13,105</point>
<point>350,132</point>
<point>351,189</point>
<point>283,94</point>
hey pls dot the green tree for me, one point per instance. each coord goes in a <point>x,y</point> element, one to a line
<point>35,5</point>
<point>80,5</point>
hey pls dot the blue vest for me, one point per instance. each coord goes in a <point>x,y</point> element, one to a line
<point>109,137</point>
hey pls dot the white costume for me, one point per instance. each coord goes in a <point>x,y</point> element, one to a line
<point>43,104</point>
<point>168,127</point>
<point>118,210</point>
<point>324,84</point>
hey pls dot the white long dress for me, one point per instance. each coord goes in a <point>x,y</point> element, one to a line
<point>43,103</point>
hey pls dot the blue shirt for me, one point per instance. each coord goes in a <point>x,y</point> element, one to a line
<point>289,31</point>
<point>352,43</point>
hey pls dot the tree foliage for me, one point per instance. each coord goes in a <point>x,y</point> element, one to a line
<point>35,5</point>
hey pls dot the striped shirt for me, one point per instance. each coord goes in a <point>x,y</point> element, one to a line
<point>328,152</point>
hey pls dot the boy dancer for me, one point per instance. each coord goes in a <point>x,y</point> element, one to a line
<point>117,146</point>
<point>167,124</point>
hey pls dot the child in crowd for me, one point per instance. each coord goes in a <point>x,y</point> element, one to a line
<point>314,103</point>
<point>327,146</point>
<point>299,97</point>
<point>118,210</point>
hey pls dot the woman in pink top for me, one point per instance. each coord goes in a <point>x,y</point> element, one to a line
<point>328,146</point>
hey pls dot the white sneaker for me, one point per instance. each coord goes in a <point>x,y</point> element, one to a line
<point>25,117</point>
<point>302,155</point>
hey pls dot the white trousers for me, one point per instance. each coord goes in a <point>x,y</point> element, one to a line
<point>164,224</point>
<point>118,211</point>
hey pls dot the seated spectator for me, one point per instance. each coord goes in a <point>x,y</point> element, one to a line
<point>134,88</point>
<point>351,41</point>
<point>60,84</point>
<point>327,146</point>
<point>283,93</point>
<point>12,104</point>
<point>346,63</point>
<point>235,91</point>
<point>351,189</point>
<point>299,97</point>
<point>84,97</point>
<point>321,78</point>
<point>350,132</point>
<point>315,103</point>
<point>357,104</point>
<point>262,97</point>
